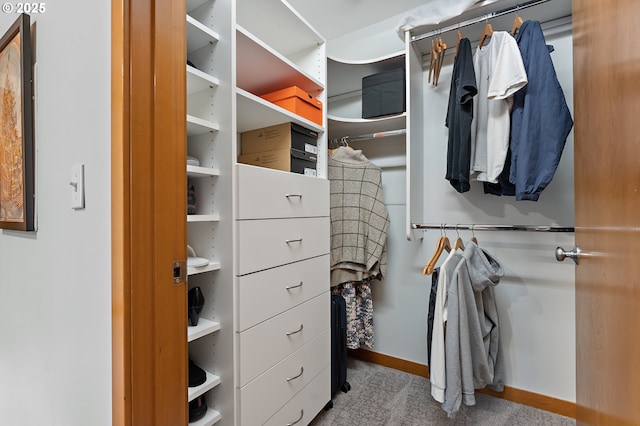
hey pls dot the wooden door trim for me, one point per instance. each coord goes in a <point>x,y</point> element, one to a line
<point>148,195</point>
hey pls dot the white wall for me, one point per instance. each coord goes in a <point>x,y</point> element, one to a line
<point>55,284</point>
<point>536,296</point>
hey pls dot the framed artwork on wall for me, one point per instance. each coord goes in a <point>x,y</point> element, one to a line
<point>16,128</point>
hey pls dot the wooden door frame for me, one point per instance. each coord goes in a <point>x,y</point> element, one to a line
<point>148,196</point>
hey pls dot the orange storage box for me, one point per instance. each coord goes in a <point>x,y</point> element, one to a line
<point>297,101</point>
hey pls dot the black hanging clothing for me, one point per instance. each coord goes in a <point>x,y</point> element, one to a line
<point>431,312</point>
<point>459,118</point>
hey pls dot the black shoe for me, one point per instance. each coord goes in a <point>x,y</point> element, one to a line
<point>197,409</point>
<point>195,304</point>
<point>197,376</point>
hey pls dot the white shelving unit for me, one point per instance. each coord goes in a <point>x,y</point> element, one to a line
<point>345,116</point>
<point>208,140</point>
<point>237,51</point>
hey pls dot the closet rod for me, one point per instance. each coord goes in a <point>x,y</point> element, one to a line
<point>474,227</point>
<point>475,20</point>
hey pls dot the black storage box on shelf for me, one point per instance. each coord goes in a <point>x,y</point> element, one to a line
<point>383,93</point>
<point>288,160</point>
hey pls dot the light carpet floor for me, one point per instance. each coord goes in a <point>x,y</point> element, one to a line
<point>385,396</point>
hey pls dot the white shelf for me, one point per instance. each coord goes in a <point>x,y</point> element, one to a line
<point>212,266</point>
<point>261,70</point>
<point>278,24</point>
<point>197,81</point>
<point>191,218</point>
<point>199,126</point>
<point>255,112</point>
<point>211,382</point>
<point>199,35</point>
<point>203,328</point>
<point>346,76</point>
<point>212,417</point>
<point>198,172</point>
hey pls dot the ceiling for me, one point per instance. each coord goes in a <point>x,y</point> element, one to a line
<point>334,18</point>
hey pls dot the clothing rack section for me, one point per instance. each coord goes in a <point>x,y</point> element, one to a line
<point>475,227</point>
<point>478,19</point>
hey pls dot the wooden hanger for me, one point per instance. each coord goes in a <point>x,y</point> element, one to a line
<point>487,32</point>
<point>474,239</point>
<point>432,59</point>
<point>517,23</point>
<point>442,49</point>
<point>443,244</point>
<point>458,243</point>
<point>458,43</point>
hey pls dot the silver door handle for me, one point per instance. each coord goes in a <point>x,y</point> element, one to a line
<point>574,253</point>
<point>293,195</point>
<point>296,240</point>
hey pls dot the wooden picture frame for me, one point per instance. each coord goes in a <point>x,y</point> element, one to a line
<point>16,128</point>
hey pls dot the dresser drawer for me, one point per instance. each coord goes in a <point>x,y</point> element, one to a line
<point>263,397</point>
<point>306,404</point>
<point>264,294</point>
<point>265,193</point>
<point>266,344</point>
<point>264,244</point>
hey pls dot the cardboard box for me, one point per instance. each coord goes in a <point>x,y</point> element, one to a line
<point>288,160</point>
<point>383,93</point>
<point>281,136</point>
<point>297,101</point>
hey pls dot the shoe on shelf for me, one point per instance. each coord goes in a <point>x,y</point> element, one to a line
<point>191,200</point>
<point>195,304</point>
<point>197,375</point>
<point>193,261</point>
<point>197,409</point>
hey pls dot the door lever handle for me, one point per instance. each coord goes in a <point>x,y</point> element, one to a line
<point>574,253</point>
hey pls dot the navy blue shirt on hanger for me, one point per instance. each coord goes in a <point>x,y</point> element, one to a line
<point>459,117</point>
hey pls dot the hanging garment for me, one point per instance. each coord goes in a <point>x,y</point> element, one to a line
<point>499,74</point>
<point>472,347</point>
<point>459,118</point>
<point>359,305</point>
<point>437,366</point>
<point>541,120</point>
<point>359,217</point>
<point>431,311</point>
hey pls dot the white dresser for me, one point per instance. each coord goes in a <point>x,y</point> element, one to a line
<point>282,305</point>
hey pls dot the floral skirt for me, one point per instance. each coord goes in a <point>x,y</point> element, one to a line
<point>357,296</point>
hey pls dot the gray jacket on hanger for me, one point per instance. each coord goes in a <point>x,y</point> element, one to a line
<point>473,354</point>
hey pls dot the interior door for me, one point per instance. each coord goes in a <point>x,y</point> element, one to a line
<point>607,196</point>
<point>148,221</point>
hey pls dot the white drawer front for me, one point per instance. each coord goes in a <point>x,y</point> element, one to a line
<point>266,344</point>
<point>265,294</point>
<point>264,244</point>
<point>265,193</point>
<point>263,397</point>
<point>306,404</point>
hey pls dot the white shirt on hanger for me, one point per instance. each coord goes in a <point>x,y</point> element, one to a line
<point>437,365</point>
<point>499,74</point>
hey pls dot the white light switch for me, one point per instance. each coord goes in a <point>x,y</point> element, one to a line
<point>77,186</point>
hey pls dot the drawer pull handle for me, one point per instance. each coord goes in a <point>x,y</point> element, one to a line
<point>293,196</point>
<point>297,375</point>
<point>297,331</point>
<point>297,240</point>
<point>293,286</point>
<point>297,421</point>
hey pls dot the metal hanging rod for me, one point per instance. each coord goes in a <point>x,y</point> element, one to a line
<point>472,21</point>
<point>474,227</point>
